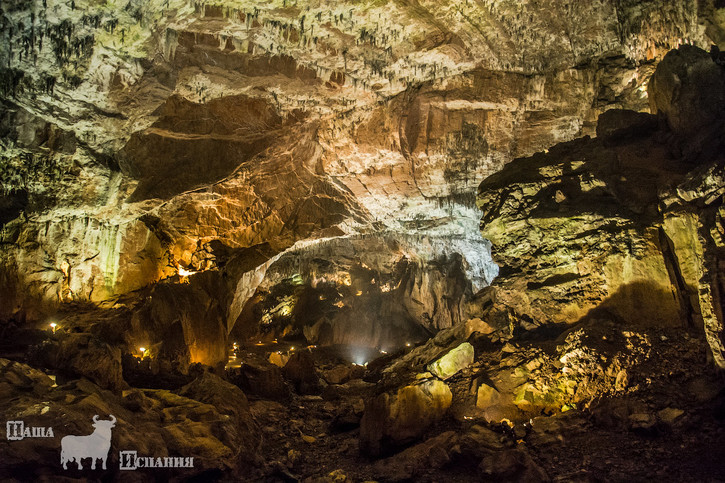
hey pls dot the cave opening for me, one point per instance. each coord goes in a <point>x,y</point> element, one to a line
<point>358,308</point>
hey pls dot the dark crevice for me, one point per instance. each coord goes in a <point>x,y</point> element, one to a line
<point>553,280</point>
<point>676,278</point>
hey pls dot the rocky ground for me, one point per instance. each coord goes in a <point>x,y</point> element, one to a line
<point>598,402</point>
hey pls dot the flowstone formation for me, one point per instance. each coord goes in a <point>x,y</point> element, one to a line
<point>364,241</point>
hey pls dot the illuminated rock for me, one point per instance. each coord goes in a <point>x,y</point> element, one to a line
<point>392,419</point>
<point>596,224</point>
<point>477,325</point>
<point>278,359</point>
<point>454,361</point>
<point>487,396</point>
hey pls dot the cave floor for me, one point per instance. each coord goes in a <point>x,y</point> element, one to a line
<point>578,448</point>
<point>634,437</point>
<point>666,423</point>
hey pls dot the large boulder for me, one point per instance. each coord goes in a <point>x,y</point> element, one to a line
<point>261,379</point>
<point>454,361</point>
<point>688,91</point>
<point>83,355</point>
<point>230,423</point>
<point>300,371</point>
<point>399,417</point>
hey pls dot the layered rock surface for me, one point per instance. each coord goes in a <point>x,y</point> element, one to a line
<point>624,225</point>
<point>156,140</point>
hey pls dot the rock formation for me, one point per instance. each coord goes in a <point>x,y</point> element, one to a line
<point>622,226</point>
<point>161,139</point>
<point>356,241</point>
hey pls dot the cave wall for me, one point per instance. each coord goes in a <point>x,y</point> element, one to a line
<point>623,227</point>
<point>145,140</point>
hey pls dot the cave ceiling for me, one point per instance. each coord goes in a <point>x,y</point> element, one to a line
<point>145,140</point>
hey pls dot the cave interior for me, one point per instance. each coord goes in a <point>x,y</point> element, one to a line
<point>362,240</point>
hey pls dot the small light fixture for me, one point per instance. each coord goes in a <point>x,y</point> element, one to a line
<point>53,325</point>
<point>407,344</point>
<point>142,350</point>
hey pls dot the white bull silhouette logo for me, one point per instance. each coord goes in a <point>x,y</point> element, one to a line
<point>94,446</point>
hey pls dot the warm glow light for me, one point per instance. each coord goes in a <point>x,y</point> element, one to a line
<point>184,272</point>
<point>407,344</point>
<point>142,350</point>
<point>291,348</point>
<point>53,325</point>
<point>383,352</point>
<point>359,293</point>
